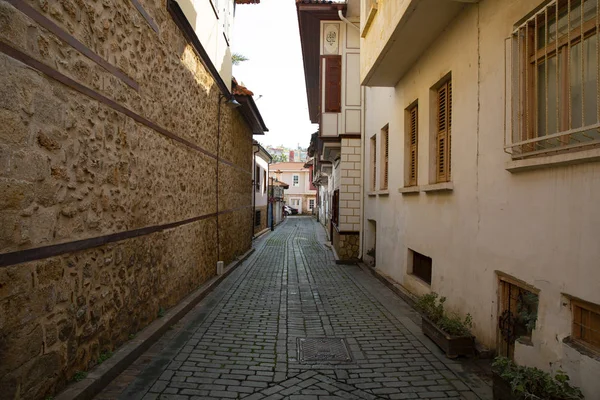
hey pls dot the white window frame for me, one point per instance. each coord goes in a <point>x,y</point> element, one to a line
<point>296,180</point>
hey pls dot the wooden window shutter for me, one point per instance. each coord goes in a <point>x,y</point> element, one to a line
<point>386,151</point>
<point>374,163</point>
<point>333,84</point>
<point>413,146</point>
<point>444,120</point>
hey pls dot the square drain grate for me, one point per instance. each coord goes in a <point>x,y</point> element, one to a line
<point>323,350</point>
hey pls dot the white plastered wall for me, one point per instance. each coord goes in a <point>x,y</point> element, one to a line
<point>539,226</point>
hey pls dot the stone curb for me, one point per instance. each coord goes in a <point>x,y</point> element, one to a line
<point>394,286</point>
<point>103,374</point>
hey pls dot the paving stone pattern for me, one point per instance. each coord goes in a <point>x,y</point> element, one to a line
<point>242,340</point>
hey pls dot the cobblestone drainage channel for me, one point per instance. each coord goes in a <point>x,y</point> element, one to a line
<point>323,351</point>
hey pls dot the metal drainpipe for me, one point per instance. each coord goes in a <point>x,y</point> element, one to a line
<point>217,182</point>
<point>362,187</point>
<point>254,191</point>
<point>271,200</point>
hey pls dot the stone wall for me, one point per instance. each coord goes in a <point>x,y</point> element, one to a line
<point>116,165</point>
<point>346,245</point>
<point>263,219</point>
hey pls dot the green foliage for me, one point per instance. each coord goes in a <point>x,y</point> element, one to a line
<point>280,158</point>
<point>533,383</point>
<point>131,336</point>
<point>527,311</point>
<point>105,355</point>
<point>161,312</point>
<point>451,323</point>
<point>237,58</point>
<point>79,376</point>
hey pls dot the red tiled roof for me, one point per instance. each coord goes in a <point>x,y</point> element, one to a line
<point>240,90</point>
<point>288,166</point>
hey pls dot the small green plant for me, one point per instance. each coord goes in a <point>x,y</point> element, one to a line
<point>433,308</point>
<point>161,312</point>
<point>79,376</point>
<point>533,383</point>
<point>105,355</point>
<point>131,336</point>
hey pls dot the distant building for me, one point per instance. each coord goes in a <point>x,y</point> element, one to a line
<point>261,209</point>
<point>301,193</point>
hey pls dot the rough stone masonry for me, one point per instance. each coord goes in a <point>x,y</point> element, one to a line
<point>108,143</point>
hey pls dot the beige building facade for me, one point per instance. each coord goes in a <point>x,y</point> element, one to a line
<point>260,197</point>
<point>329,33</point>
<point>300,194</point>
<point>481,163</point>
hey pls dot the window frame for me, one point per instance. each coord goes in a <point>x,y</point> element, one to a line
<point>257,178</point>
<point>443,131</point>
<point>524,138</point>
<point>384,155</point>
<point>577,305</point>
<point>295,180</point>
<point>416,259</point>
<point>373,143</point>
<point>411,145</point>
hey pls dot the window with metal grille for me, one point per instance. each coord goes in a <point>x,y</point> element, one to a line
<point>296,180</point>
<point>421,266</point>
<point>518,308</point>
<point>443,141</point>
<point>412,149</point>
<point>385,147</point>
<point>374,162</point>
<point>264,181</point>
<point>257,218</point>
<point>586,324</point>
<point>311,204</point>
<point>552,81</point>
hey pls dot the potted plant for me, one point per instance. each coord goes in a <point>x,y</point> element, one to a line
<point>513,382</point>
<point>448,330</point>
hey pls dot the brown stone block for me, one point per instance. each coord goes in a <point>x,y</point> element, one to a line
<point>15,195</point>
<point>15,280</point>
<point>13,25</point>
<point>18,346</point>
<point>15,129</point>
<point>40,376</point>
<point>24,308</point>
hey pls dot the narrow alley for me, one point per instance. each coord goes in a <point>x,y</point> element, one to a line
<point>243,340</point>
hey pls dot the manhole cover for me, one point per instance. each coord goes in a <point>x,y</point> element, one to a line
<point>323,350</point>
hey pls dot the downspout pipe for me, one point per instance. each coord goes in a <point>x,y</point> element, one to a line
<point>347,21</point>
<point>270,199</point>
<point>221,97</point>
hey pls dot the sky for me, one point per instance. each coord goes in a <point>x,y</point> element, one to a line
<point>267,34</point>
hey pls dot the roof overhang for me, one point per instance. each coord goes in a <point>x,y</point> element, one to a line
<point>258,148</point>
<point>251,114</point>
<point>420,24</point>
<point>331,150</point>
<point>310,16</point>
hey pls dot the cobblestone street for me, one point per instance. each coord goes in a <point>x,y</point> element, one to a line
<point>242,340</point>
